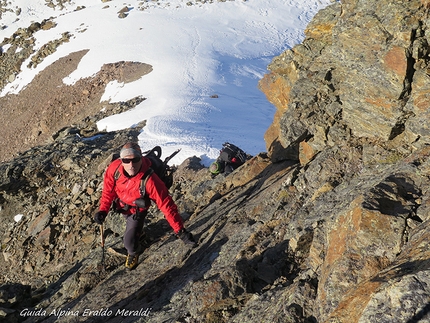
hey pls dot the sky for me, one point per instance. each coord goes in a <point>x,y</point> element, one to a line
<point>207,60</point>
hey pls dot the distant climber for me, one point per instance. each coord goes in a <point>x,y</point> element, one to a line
<point>230,158</point>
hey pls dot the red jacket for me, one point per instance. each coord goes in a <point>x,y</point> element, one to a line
<point>127,189</point>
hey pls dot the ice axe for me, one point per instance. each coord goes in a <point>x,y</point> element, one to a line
<point>102,236</point>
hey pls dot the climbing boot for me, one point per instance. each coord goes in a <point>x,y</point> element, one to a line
<point>131,261</point>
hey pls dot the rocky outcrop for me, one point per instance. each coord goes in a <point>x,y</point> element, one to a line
<point>330,225</point>
<point>352,110</point>
<point>360,73</point>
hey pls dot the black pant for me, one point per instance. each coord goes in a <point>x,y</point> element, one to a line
<point>133,231</point>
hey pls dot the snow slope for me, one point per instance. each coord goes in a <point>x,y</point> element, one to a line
<point>207,59</point>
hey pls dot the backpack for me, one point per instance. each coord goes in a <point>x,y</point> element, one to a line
<point>230,158</point>
<point>158,166</point>
<point>232,154</point>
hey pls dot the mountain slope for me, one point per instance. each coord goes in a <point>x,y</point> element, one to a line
<point>329,226</point>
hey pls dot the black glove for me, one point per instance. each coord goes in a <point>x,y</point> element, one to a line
<point>186,237</point>
<point>100,217</point>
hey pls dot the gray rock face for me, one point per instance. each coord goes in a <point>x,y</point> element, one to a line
<point>329,226</point>
<point>360,72</point>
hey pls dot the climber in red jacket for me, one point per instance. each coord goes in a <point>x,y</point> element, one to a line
<point>122,186</point>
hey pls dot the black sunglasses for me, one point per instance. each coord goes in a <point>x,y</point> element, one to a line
<point>130,160</point>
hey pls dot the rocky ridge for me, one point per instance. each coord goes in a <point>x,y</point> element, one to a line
<point>329,226</point>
